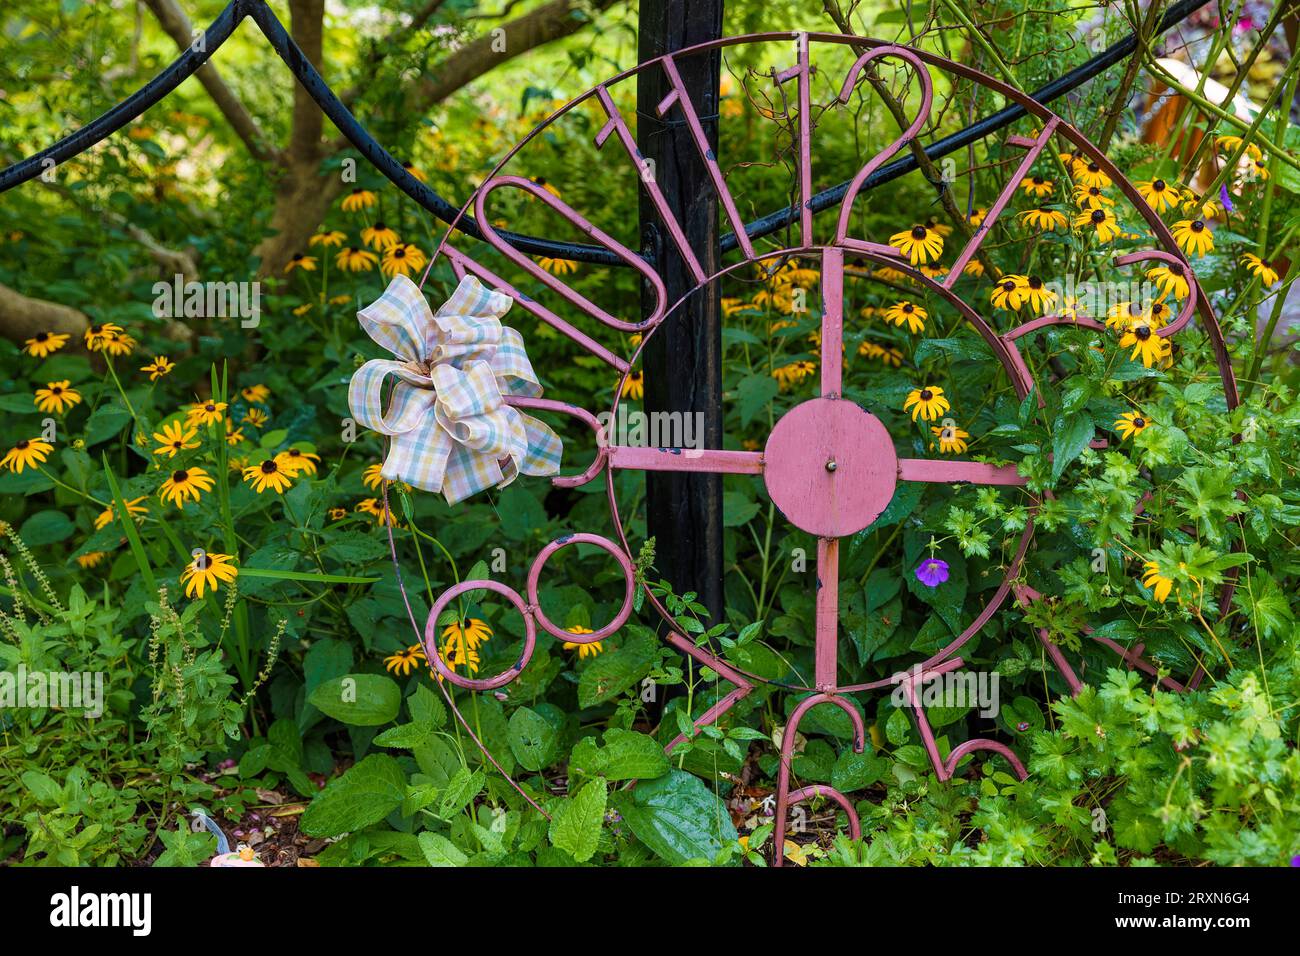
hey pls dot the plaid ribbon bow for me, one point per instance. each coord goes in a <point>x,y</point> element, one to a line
<point>451,429</point>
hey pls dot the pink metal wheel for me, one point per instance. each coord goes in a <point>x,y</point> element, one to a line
<point>830,466</point>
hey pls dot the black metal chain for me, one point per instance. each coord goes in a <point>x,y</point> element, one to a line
<point>224,25</point>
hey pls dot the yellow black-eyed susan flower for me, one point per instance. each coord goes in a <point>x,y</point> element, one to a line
<point>908,313</point>
<point>927,402</point>
<point>57,397</point>
<point>1130,423</point>
<point>373,476</point>
<point>1193,236</point>
<point>634,385</point>
<point>1260,267</point>
<point>208,571</point>
<point>160,366</point>
<point>1091,197</point>
<point>405,660</point>
<point>1037,295</point>
<point>934,225</point>
<point>300,261</point>
<point>793,373</point>
<point>557,267</point>
<point>415,171</point>
<point>97,335</point>
<point>584,650</point>
<point>1090,174</point>
<point>1146,345</point>
<point>919,244</point>
<point>28,452</point>
<point>297,462</point>
<point>1157,582</point>
<point>379,237</point>
<point>976,215</point>
<point>234,436</point>
<point>375,508</point>
<point>359,199</point>
<point>91,559</point>
<point>402,259</point>
<point>255,417</point>
<point>1170,280</point>
<point>268,474</point>
<point>1037,186</point>
<point>205,413</point>
<point>1159,194</point>
<point>45,343</point>
<point>1044,219</point>
<point>175,438</point>
<point>352,259</point>
<point>952,440</point>
<point>1009,292</point>
<point>1101,221</point>
<point>329,240</point>
<point>133,507</point>
<point>255,393</point>
<point>185,484</point>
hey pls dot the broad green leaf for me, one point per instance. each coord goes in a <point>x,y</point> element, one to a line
<point>679,818</point>
<point>576,822</point>
<point>367,793</point>
<point>627,755</point>
<point>440,851</point>
<point>365,700</point>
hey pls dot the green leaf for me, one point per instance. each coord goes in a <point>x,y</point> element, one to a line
<point>365,700</point>
<point>406,736</point>
<point>754,393</point>
<point>46,527</point>
<point>440,851</point>
<point>105,422</point>
<point>128,527</point>
<point>576,822</point>
<point>532,739</point>
<point>1070,436</point>
<point>627,755</point>
<point>679,818</point>
<point>611,674</point>
<point>367,793</point>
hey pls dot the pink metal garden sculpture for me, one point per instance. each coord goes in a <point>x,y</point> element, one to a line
<point>829,466</point>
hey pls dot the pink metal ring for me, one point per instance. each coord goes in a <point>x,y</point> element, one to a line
<point>431,636</point>
<point>535,573</point>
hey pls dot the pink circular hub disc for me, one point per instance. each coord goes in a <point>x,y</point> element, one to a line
<point>830,467</point>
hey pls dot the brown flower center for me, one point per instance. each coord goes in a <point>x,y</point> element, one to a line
<point>1035,282</point>
<point>22,445</point>
<point>1142,332</point>
<point>918,232</point>
<point>1140,422</point>
<point>1158,185</point>
<point>1098,216</point>
<point>1197,226</point>
<point>1009,286</point>
<point>909,308</point>
<point>180,477</point>
<point>926,394</point>
<point>269,467</point>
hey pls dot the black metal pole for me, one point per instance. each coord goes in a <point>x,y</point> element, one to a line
<point>683,359</point>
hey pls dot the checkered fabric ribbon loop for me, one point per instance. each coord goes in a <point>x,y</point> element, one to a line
<point>451,429</point>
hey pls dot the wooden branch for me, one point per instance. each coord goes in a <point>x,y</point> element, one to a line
<point>545,24</point>
<point>177,25</point>
<point>22,317</point>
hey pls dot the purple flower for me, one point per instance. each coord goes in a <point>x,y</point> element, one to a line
<point>1223,194</point>
<point>1295,861</point>
<point>932,572</point>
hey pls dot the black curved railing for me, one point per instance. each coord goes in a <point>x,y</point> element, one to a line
<point>224,25</point>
